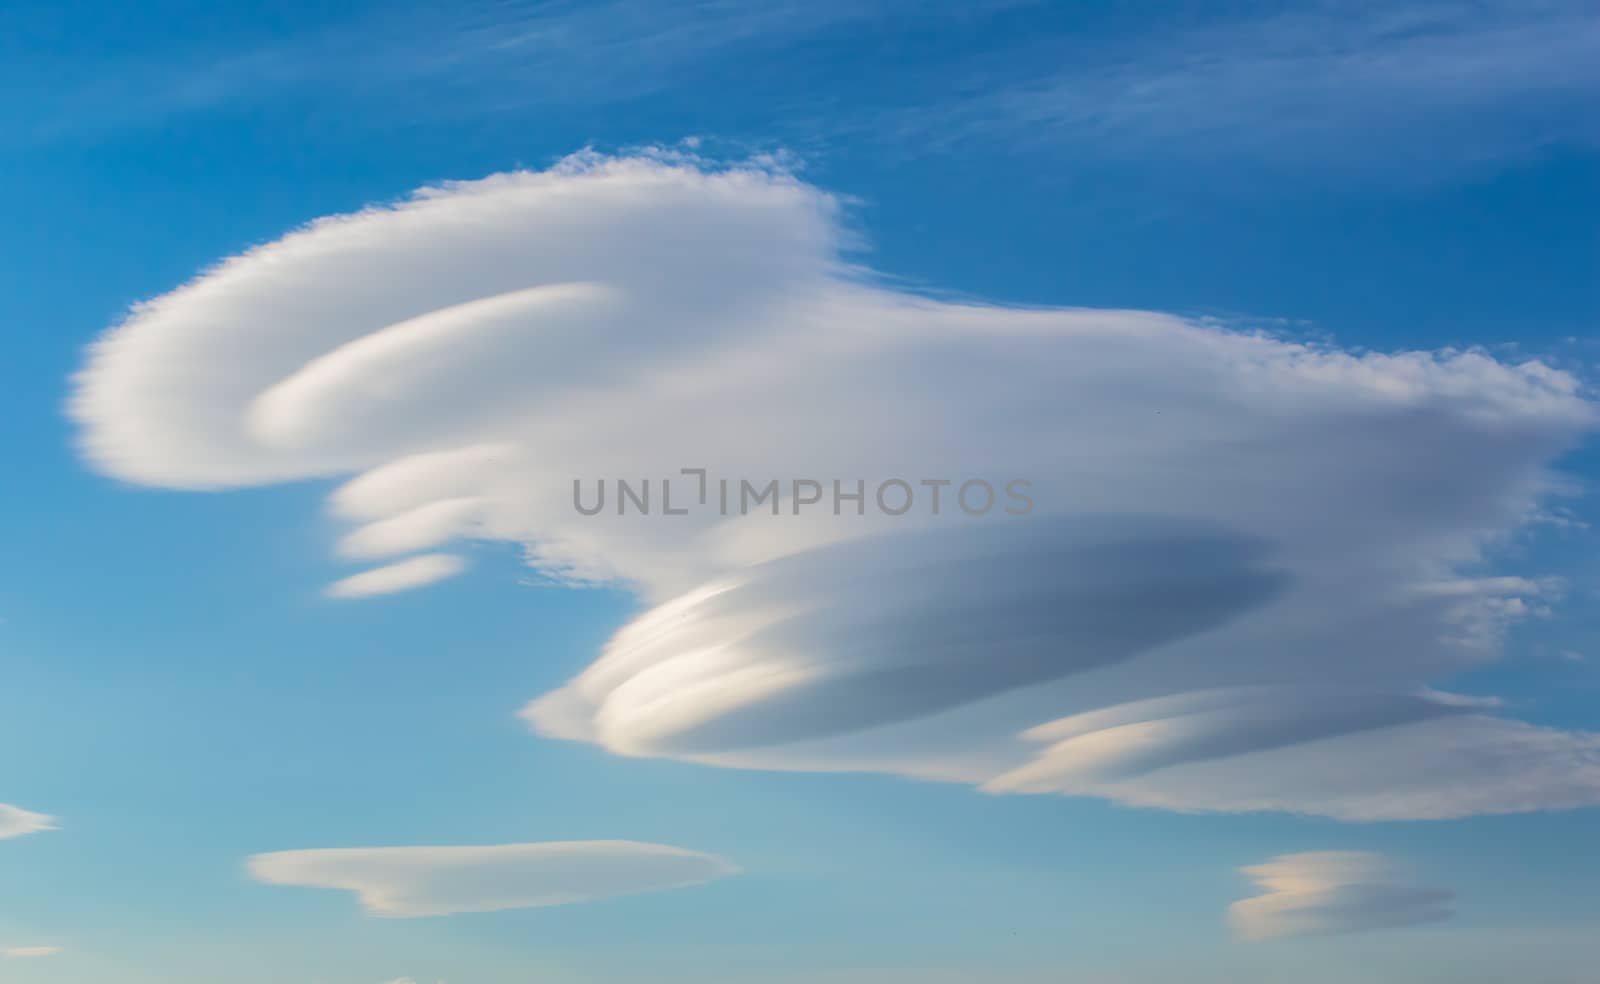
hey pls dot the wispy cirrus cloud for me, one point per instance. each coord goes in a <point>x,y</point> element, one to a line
<point>1407,89</point>
<point>471,59</point>
<point>1250,557</point>
<point>1324,892</point>
<point>1377,88</point>
<point>410,882</point>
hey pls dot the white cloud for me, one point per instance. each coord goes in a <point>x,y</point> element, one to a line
<point>15,822</point>
<point>23,952</point>
<point>1243,571</point>
<point>407,882</point>
<point>1322,892</point>
<point>403,575</point>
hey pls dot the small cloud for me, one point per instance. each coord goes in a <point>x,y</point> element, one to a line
<point>1324,892</point>
<point>407,882</point>
<point>16,822</point>
<point>402,576</point>
<point>21,952</point>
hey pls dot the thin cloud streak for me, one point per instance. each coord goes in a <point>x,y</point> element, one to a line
<point>1374,88</point>
<point>30,952</point>
<point>403,575</point>
<point>1377,89</point>
<point>473,59</point>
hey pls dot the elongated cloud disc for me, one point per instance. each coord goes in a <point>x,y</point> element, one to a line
<point>408,882</point>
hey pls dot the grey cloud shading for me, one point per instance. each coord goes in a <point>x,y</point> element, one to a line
<point>1328,892</point>
<point>1143,737</point>
<point>905,625</point>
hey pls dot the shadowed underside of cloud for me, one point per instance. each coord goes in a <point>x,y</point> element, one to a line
<point>1324,892</point>
<point>16,822</point>
<point>405,882</point>
<point>1243,570</point>
<point>871,632</point>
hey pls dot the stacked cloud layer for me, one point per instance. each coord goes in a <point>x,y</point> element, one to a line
<point>1323,892</point>
<point>1241,569</point>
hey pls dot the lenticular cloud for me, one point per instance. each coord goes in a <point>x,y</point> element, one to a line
<point>1319,893</point>
<point>411,882</point>
<point>1239,572</point>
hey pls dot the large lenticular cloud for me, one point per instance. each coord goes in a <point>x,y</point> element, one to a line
<point>1240,570</point>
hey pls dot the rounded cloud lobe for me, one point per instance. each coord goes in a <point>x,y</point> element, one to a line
<point>1243,571</point>
<point>408,882</point>
<point>1324,892</point>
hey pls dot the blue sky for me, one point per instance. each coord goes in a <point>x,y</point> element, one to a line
<point>1298,301</point>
